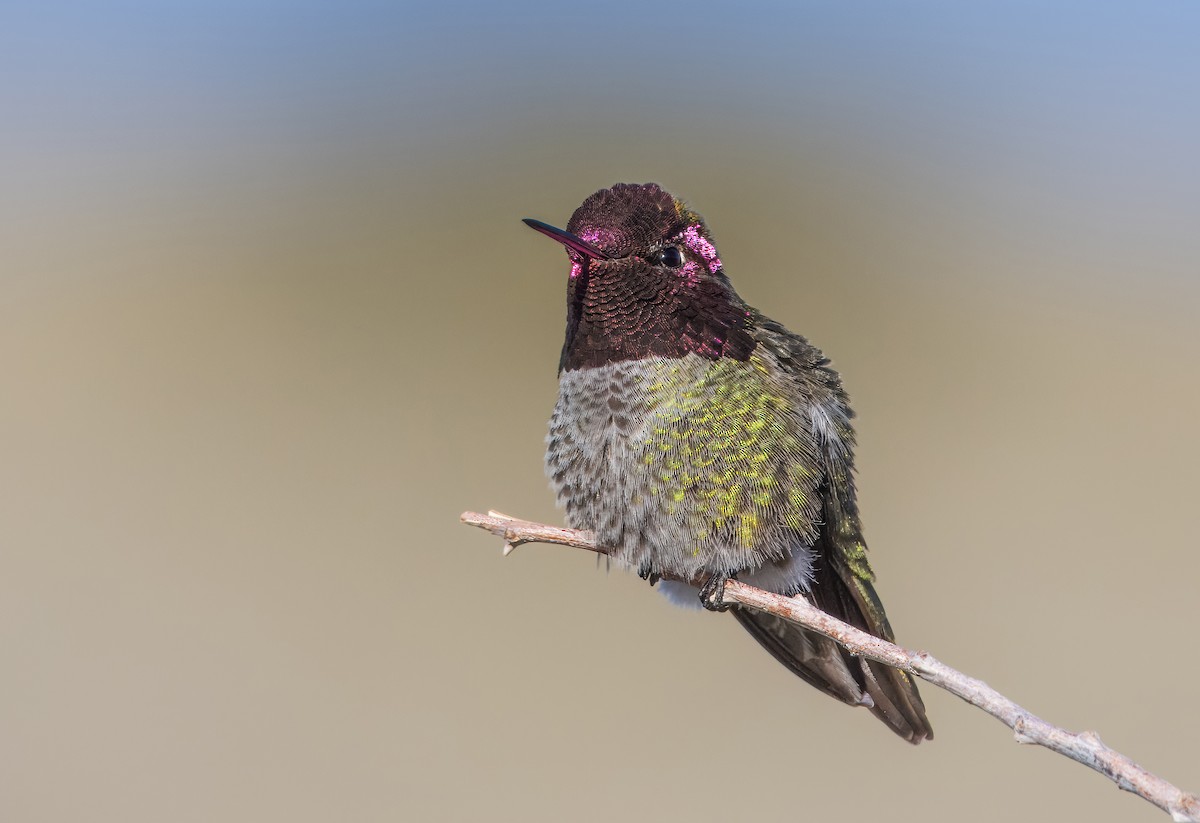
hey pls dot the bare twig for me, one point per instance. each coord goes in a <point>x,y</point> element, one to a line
<point>1084,747</point>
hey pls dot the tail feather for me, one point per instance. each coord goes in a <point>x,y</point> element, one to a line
<point>813,658</point>
<point>897,701</point>
<point>890,694</point>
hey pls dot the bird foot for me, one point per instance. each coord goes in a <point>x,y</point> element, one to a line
<point>646,573</point>
<point>712,593</point>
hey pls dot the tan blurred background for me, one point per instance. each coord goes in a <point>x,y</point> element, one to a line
<point>269,322</point>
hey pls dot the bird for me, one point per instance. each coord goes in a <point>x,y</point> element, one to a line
<point>701,441</point>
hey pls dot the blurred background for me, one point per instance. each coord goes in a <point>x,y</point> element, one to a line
<point>269,323</point>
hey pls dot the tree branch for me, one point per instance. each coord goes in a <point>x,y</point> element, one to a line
<point>1084,747</point>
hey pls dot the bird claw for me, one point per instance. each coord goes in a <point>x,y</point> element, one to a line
<point>712,593</point>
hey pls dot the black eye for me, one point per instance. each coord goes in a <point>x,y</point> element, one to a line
<point>671,257</point>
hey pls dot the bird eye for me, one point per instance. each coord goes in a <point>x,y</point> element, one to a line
<point>671,257</point>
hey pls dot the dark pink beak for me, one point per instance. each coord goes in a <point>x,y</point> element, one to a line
<point>566,238</point>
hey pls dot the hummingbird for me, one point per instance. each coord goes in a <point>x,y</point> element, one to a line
<point>701,441</point>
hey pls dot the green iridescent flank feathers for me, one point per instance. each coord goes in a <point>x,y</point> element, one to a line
<point>719,452</point>
<point>842,527</point>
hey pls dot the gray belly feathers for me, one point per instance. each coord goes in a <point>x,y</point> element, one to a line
<point>603,467</point>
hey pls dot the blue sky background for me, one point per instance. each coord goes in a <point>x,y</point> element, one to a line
<point>1071,121</point>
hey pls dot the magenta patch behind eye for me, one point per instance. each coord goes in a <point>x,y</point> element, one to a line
<point>698,243</point>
